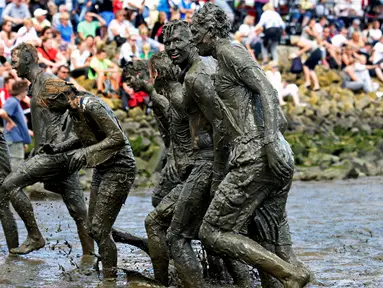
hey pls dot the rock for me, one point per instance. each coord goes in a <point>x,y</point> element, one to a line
<point>145,143</point>
<point>120,114</point>
<point>362,103</point>
<point>135,112</point>
<point>341,170</point>
<point>130,128</point>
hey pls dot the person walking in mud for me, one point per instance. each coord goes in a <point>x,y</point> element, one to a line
<point>49,128</point>
<point>261,161</point>
<point>100,143</point>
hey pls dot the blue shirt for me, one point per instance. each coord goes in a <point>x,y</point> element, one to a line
<point>19,133</point>
<point>185,5</point>
<point>65,32</point>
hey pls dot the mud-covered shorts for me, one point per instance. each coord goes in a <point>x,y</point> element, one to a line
<point>251,193</point>
<point>193,200</point>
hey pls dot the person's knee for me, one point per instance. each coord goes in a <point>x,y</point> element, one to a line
<point>77,211</point>
<point>95,231</point>
<point>156,200</point>
<point>206,233</point>
<point>150,223</point>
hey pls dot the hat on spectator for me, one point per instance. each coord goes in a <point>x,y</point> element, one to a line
<point>268,6</point>
<point>40,12</point>
<point>19,87</point>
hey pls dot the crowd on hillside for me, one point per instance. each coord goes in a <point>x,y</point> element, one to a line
<point>72,37</point>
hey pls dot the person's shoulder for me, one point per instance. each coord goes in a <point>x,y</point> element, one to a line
<point>232,49</point>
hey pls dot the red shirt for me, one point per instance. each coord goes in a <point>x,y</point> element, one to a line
<point>4,95</point>
<point>138,97</point>
<point>49,55</point>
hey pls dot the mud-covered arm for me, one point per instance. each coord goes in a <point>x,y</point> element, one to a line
<point>68,145</point>
<point>114,137</point>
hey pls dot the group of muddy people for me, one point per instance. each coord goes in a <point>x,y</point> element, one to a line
<point>228,168</point>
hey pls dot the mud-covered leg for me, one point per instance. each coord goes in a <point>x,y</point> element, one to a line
<point>7,220</point>
<point>156,224</point>
<point>191,206</point>
<point>111,195</point>
<point>130,239</point>
<point>73,198</point>
<point>231,207</point>
<point>9,224</point>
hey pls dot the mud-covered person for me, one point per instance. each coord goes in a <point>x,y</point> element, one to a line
<point>165,88</point>
<point>100,143</point>
<point>49,128</point>
<point>135,73</point>
<point>261,162</point>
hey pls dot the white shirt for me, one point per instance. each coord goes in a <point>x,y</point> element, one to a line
<point>270,19</point>
<point>126,52</point>
<point>375,34</point>
<point>80,58</point>
<point>30,35</point>
<point>338,40</point>
<point>275,78</point>
<point>245,29</point>
<point>122,28</point>
<point>318,28</point>
<point>378,52</point>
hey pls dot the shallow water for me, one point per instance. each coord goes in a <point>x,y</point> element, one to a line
<point>337,229</point>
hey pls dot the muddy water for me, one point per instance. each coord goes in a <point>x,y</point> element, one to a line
<point>337,229</point>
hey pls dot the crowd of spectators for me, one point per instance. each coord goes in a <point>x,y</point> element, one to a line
<point>73,36</point>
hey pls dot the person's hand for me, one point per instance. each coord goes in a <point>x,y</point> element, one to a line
<point>19,21</point>
<point>279,159</point>
<point>77,161</point>
<point>171,170</point>
<point>10,125</point>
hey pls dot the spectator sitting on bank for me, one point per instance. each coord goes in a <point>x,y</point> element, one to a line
<point>56,17</point>
<point>64,29</point>
<point>340,39</point>
<point>321,10</point>
<point>101,69</point>
<point>7,38</point>
<point>63,73</point>
<point>88,26</point>
<point>27,34</point>
<point>283,89</point>
<point>146,54</point>
<point>356,76</point>
<point>157,28</point>
<point>355,27</point>
<point>247,27</point>
<point>16,12</point>
<point>356,41</point>
<point>50,56</point>
<point>90,45</point>
<point>118,29</point>
<point>375,33</point>
<point>80,60</point>
<point>129,51</point>
<point>40,21</point>
<point>318,27</point>
<point>155,46</point>
<point>18,136</point>
<point>333,54</point>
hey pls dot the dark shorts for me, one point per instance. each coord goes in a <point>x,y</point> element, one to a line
<point>314,59</point>
<point>193,200</point>
<point>249,188</point>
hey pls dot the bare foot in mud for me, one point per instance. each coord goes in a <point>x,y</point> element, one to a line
<point>302,280</point>
<point>28,246</point>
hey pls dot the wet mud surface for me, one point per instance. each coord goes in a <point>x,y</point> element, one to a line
<point>337,229</point>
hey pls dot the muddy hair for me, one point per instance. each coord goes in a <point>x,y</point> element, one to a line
<point>170,26</point>
<point>23,48</point>
<point>164,66</point>
<point>213,17</point>
<point>134,68</point>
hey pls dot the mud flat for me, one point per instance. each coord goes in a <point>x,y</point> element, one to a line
<point>337,229</point>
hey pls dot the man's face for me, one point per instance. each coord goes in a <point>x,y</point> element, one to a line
<point>326,33</point>
<point>17,2</point>
<point>144,35</point>
<point>201,39</point>
<point>88,17</point>
<point>63,73</point>
<point>18,63</point>
<point>89,41</point>
<point>102,56</point>
<point>177,45</point>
